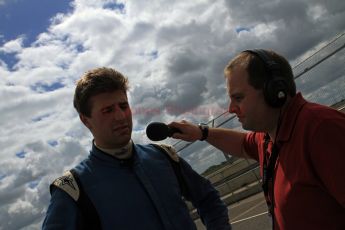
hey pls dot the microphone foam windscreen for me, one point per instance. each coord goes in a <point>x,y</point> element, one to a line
<point>157,131</point>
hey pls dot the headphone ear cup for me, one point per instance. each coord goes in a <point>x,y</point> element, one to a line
<point>275,92</point>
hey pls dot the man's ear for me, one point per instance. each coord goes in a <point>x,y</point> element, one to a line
<point>85,120</point>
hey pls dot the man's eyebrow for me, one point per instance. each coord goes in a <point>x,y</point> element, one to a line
<point>123,103</point>
<point>233,94</point>
<point>107,107</point>
<point>113,105</point>
<point>236,94</point>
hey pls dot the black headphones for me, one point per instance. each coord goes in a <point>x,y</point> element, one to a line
<point>276,87</point>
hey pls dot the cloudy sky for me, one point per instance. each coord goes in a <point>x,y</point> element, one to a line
<point>173,53</point>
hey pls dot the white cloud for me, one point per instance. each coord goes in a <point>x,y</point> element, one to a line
<point>13,46</point>
<point>173,52</point>
<point>316,12</point>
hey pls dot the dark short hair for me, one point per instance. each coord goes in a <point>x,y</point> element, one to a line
<point>257,71</point>
<point>94,82</point>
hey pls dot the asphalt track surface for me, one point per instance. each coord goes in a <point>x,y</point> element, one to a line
<point>248,214</point>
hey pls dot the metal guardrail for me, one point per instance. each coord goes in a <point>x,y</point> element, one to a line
<point>327,51</point>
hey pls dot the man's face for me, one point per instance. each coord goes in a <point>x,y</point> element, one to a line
<point>247,102</point>
<point>111,119</point>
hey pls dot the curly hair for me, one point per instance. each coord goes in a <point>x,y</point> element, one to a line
<point>94,82</point>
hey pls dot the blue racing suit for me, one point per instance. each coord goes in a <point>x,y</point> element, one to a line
<point>141,193</point>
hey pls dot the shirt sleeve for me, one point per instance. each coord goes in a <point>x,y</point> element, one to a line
<point>62,212</point>
<point>205,198</point>
<point>250,145</point>
<point>328,156</point>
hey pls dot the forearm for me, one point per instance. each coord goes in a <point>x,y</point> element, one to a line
<point>227,140</point>
<point>214,213</point>
<point>205,198</point>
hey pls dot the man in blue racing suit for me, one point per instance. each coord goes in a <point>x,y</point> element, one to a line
<point>122,185</point>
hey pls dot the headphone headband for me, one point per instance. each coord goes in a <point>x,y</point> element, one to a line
<point>270,64</point>
<point>275,87</point>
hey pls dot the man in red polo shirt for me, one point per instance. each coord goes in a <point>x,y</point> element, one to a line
<point>300,145</point>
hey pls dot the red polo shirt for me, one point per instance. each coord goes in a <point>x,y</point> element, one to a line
<point>309,184</point>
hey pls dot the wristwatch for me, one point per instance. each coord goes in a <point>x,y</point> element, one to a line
<point>204,131</point>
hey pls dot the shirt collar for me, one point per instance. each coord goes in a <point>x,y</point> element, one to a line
<point>289,117</point>
<point>124,152</point>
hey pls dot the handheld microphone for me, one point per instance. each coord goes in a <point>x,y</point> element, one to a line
<point>157,131</point>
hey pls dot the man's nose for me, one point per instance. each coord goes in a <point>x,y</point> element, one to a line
<point>232,107</point>
<point>119,114</point>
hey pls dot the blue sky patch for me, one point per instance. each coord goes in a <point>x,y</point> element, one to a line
<point>154,54</point>
<point>9,58</point>
<point>40,118</point>
<point>240,29</point>
<point>21,154</point>
<point>80,48</point>
<point>115,6</point>
<point>41,87</point>
<point>53,143</point>
<point>33,184</point>
<point>29,18</point>
<point>2,176</point>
